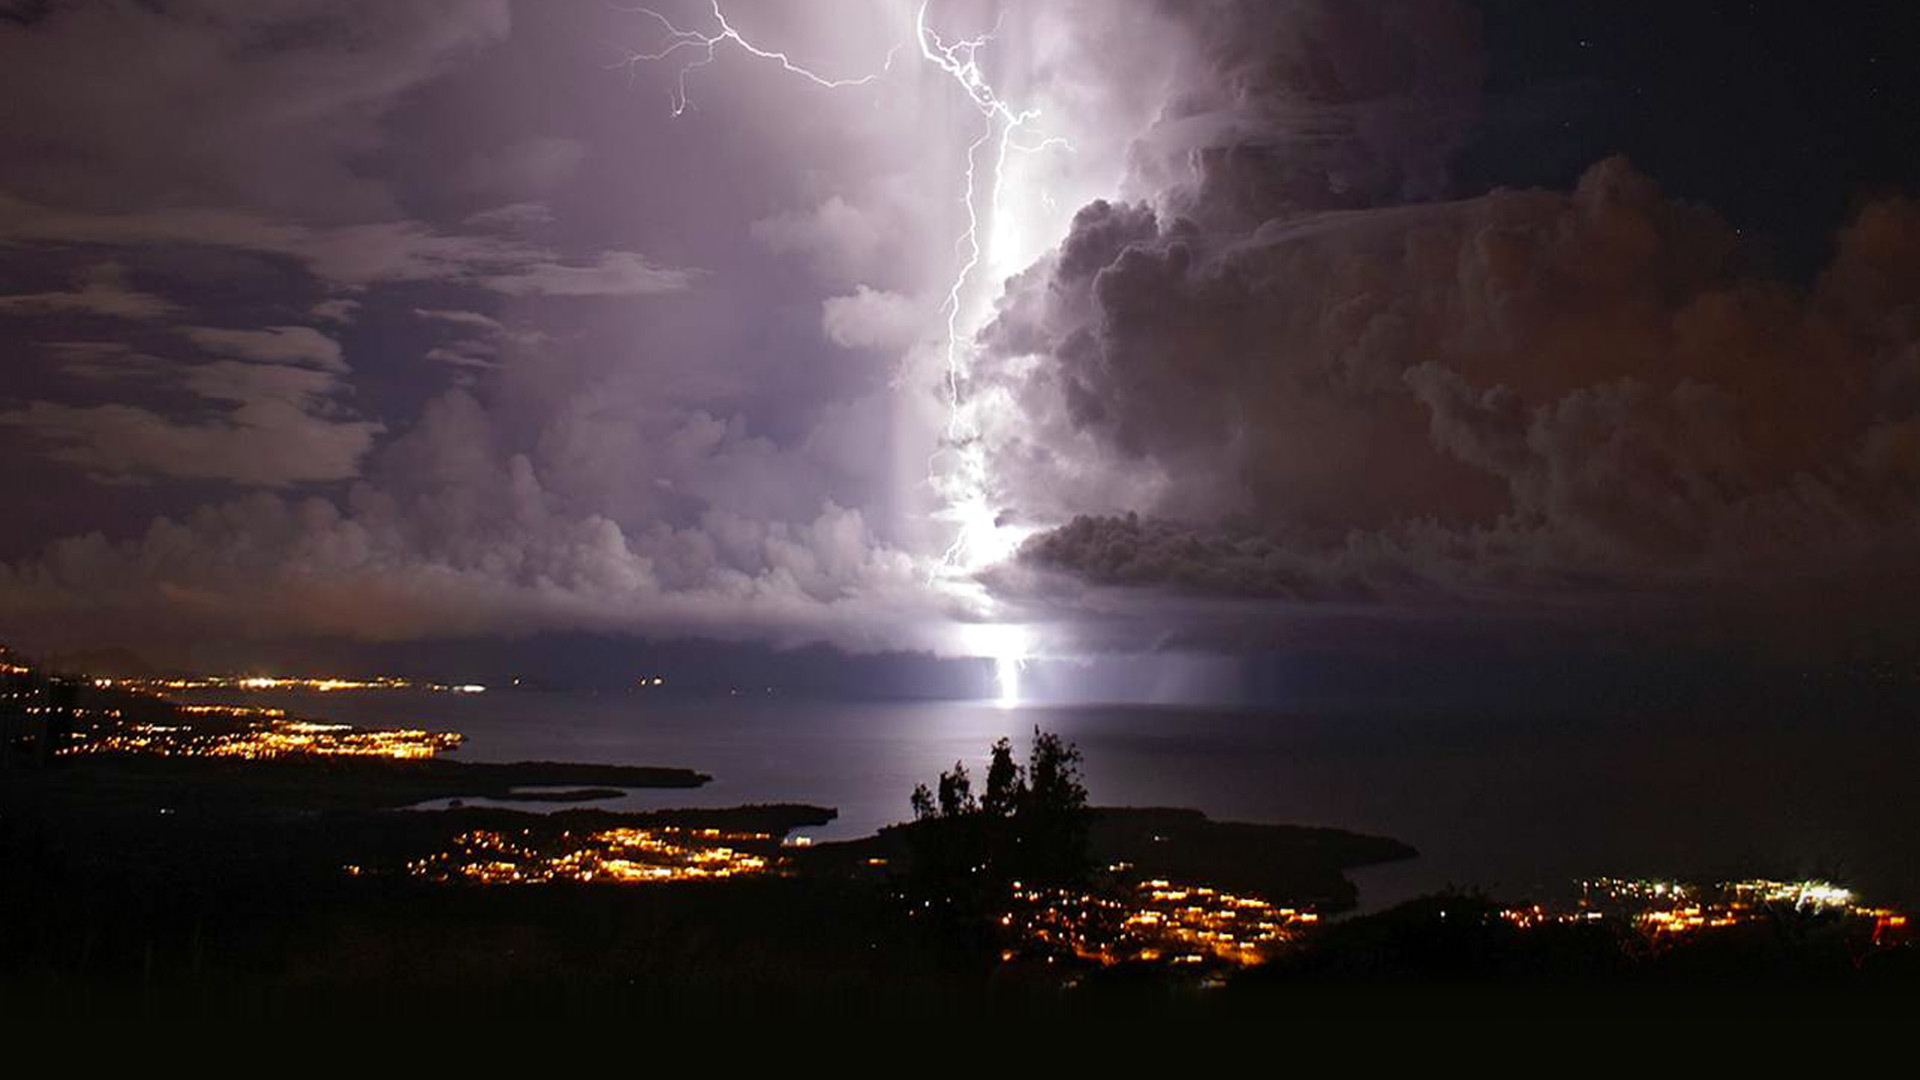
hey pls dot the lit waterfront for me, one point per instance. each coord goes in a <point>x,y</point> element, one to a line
<point>1151,921</point>
<point>1160,921</point>
<point>324,685</point>
<point>266,734</point>
<point>139,718</point>
<point>1668,909</point>
<point>624,855</point>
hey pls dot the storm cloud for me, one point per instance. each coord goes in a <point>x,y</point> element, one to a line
<point>438,311</point>
<point>1302,367</point>
<point>1523,390</point>
<point>358,382</point>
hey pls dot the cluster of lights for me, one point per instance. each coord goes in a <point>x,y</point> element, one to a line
<point>265,682</point>
<point>264,738</point>
<point>1815,895</point>
<point>234,712</point>
<point>621,856</point>
<point>1151,921</point>
<point>1665,909</point>
<point>62,710</point>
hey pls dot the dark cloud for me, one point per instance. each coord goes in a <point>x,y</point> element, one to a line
<point>270,425</point>
<point>1126,550</point>
<point>350,256</point>
<point>1313,105</point>
<point>511,217</point>
<point>528,166</point>
<point>199,102</point>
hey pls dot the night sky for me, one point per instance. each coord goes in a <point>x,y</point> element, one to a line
<point>1396,333</point>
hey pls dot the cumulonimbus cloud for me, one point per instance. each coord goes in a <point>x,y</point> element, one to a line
<point>1299,371</point>
<point>1526,387</point>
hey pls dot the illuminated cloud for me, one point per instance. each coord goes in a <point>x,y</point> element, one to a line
<point>873,319</point>
<point>105,294</point>
<point>454,535</point>
<point>471,319</point>
<point>841,239</point>
<point>299,345</point>
<point>614,273</point>
<point>339,310</point>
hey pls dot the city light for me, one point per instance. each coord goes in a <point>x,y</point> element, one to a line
<point>268,737</point>
<point>1151,921</point>
<point>1666,910</point>
<point>620,856</point>
<point>323,685</point>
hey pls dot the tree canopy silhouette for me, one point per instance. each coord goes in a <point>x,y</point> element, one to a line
<point>1029,825</point>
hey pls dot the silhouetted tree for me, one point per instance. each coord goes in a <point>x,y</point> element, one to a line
<point>1031,826</point>
<point>1050,820</point>
<point>956,792</point>
<point>923,805</point>
<point>1053,776</point>
<point>1005,784</point>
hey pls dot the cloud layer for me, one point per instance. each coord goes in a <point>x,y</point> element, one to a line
<point>456,535</point>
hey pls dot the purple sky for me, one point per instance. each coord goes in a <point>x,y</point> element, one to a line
<point>433,320</point>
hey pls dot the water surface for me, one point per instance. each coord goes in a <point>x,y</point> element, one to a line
<point>1512,805</point>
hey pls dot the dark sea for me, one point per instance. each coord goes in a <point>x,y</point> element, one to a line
<point>1517,806</point>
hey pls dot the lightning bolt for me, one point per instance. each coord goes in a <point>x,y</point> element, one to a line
<point>965,485</point>
<point>707,49</point>
<point>980,538</point>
